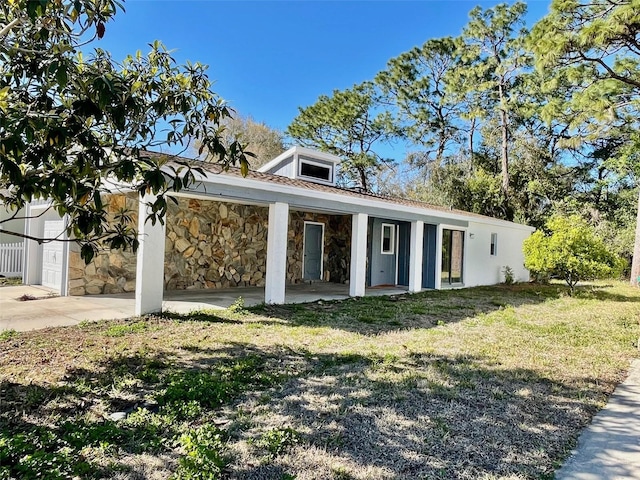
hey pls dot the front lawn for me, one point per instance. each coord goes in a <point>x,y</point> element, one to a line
<point>483,383</point>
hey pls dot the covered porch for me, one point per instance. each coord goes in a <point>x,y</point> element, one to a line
<point>287,221</point>
<point>294,217</point>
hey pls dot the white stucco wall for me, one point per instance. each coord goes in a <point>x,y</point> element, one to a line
<point>11,225</point>
<point>482,268</point>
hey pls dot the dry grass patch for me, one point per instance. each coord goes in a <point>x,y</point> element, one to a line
<point>480,383</point>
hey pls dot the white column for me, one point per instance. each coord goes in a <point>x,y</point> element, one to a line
<point>30,260</point>
<point>358,276</point>
<point>438,283</point>
<point>150,261</point>
<point>275,280</point>
<point>64,278</point>
<point>415,256</point>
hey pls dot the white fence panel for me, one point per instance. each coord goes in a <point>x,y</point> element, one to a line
<point>11,258</point>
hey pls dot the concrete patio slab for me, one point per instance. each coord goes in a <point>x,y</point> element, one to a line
<point>49,310</point>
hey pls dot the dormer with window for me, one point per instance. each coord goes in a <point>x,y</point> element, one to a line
<point>304,164</point>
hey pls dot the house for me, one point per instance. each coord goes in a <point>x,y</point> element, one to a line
<point>284,224</point>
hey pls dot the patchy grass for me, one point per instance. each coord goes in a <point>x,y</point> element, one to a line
<point>121,330</point>
<point>7,334</point>
<point>492,383</point>
<point>10,281</point>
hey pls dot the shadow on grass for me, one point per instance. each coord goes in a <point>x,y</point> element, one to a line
<point>425,417</point>
<point>66,430</point>
<point>420,416</point>
<point>374,315</point>
<point>206,316</point>
<point>599,292</point>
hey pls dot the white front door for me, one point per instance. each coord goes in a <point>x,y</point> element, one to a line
<point>52,255</point>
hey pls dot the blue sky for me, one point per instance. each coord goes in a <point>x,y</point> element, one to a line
<point>268,58</point>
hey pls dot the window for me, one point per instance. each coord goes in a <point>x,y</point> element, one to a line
<point>316,170</point>
<point>452,256</point>
<point>388,239</point>
<point>494,244</point>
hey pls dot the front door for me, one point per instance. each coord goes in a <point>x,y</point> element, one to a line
<point>383,252</point>
<point>313,245</point>
<point>52,255</point>
<point>404,255</point>
<point>429,256</point>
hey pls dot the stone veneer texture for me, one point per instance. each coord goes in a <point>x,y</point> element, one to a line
<point>111,271</point>
<point>213,245</point>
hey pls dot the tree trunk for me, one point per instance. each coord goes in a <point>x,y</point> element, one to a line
<point>505,143</point>
<point>363,179</point>
<point>635,263</point>
<point>472,130</point>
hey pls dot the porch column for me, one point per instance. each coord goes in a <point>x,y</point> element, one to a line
<point>275,280</point>
<point>64,278</point>
<point>415,256</point>
<point>358,276</point>
<point>438,283</point>
<point>150,260</point>
<point>30,260</point>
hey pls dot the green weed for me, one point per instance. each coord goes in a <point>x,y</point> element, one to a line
<point>7,335</point>
<point>204,454</point>
<point>126,329</point>
<point>278,440</point>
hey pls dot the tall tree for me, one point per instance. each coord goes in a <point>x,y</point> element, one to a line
<point>264,142</point>
<point>596,45</point>
<point>415,87</point>
<point>492,58</point>
<point>70,122</point>
<point>349,124</point>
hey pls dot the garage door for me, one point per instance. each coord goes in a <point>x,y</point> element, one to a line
<point>52,255</point>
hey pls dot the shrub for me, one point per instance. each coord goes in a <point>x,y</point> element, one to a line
<point>570,250</point>
<point>509,279</point>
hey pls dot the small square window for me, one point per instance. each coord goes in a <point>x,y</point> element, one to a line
<point>388,239</point>
<point>494,244</point>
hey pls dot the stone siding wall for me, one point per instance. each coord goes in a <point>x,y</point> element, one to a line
<point>213,245</point>
<point>337,246</point>
<point>111,271</point>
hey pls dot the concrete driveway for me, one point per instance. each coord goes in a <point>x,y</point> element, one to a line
<point>45,309</point>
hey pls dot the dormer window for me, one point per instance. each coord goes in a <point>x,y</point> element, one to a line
<point>305,164</point>
<point>316,170</point>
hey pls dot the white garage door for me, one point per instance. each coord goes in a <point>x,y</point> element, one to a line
<point>52,255</point>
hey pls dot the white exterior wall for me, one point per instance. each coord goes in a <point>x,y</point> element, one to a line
<point>285,169</point>
<point>33,254</point>
<point>11,225</point>
<point>482,268</point>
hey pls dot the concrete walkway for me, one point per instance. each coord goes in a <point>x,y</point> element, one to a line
<point>609,448</point>
<point>48,310</point>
